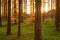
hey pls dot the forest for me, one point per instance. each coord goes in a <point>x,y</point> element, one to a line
<point>29,19</point>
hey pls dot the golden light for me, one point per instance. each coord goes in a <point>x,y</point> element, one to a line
<point>46,8</point>
<point>28,9</point>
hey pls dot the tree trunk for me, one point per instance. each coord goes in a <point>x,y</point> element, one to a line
<point>25,9</point>
<point>0,15</point>
<point>19,18</point>
<point>38,20</point>
<point>57,15</point>
<point>9,18</point>
<point>15,21</point>
<point>5,9</point>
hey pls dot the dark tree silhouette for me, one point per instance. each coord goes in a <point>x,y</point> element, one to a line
<point>15,21</point>
<point>38,20</point>
<point>5,8</point>
<point>19,18</point>
<point>57,14</point>
<point>0,15</point>
<point>9,18</point>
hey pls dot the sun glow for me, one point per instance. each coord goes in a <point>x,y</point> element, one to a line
<point>46,8</point>
<point>28,7</point>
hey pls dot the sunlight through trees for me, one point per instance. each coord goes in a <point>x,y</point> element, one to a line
<point>29,18</point>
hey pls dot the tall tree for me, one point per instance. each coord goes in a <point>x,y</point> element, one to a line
<point>51,9</point>
<point>15,21</point>
<point>38,20</point>
<point>57,14</point>
<point>0,15</point>
<point>9,18</point>
<point>25,8</point>
<point>19,18</point>
<point>5,8</point>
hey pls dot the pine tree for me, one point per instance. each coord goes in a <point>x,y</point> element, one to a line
<point>5,8</point>
<point>19,18</point>
<point>38,35</point>
<point>57,15</point>
<point>15,21</point>
<point>9,18</point>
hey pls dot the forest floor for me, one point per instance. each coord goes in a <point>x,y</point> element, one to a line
<point>27,31</point>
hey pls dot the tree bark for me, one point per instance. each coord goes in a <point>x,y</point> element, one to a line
<point>5,8</point>
<point>57,14</point>
<point>19,18</point>
<point>9,18</point>
<point>38,20</point>
<point>15,21</point>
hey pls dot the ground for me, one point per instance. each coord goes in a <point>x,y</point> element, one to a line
<point>27,31</point>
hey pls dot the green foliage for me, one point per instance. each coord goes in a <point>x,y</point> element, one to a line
<point>27,31</point>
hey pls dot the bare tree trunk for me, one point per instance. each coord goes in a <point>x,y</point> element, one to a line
<point>57,15</point>
<point>0,15</point>
<point>25,9</point>
<point>5,8</point>
<point>9,18</point>
<point>38,20</point>
<point>19,18</point>
<point>15,21</point>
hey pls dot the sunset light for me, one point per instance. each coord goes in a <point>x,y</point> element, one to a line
<point>46,6</point>
<point>29,19</point>
<point>28,9</point>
